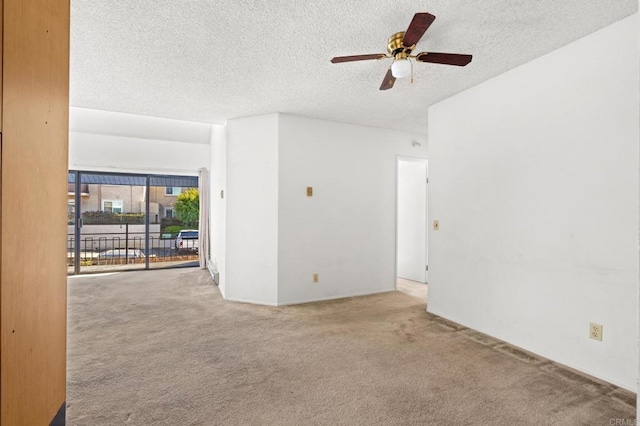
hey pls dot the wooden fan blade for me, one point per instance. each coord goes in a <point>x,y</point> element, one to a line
<point>388,81</point>
<point>339,59</point>
<point>444,58</point>
<point>418,26</point>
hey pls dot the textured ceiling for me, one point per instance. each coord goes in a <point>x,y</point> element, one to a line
<point>209,61</point>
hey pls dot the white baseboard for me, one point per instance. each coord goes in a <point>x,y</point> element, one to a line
<point>630,386</point>
<point>301,301</point>
<point>253,302</point>
<point>323,299</point>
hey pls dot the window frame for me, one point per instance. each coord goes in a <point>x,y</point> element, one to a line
<point>173,192</point>
<point>117,202</point>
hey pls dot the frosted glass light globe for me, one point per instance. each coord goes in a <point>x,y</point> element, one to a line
<point>401,68</point>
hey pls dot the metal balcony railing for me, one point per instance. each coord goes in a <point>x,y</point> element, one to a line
<point>125,248</point>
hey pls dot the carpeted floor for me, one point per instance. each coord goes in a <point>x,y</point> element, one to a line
<point>163,347</point>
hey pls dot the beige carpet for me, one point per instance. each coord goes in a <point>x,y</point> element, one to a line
<point>162,347</point>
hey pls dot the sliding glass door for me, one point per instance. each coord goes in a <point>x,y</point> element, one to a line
<point>130,221</point>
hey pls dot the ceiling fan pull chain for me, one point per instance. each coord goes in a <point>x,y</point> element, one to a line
<point>411,70</point>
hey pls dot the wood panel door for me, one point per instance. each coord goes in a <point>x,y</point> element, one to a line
<point>35,108</point>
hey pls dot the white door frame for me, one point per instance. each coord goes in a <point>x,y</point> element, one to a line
<point>426,218</point>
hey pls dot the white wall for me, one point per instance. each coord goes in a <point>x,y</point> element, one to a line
<point>346,231</point>
<point>218,204</point>
<point>86,120</point>
<point>111,141</point>
<point>252,209</point>
<point>534,178</point>
<point>277,237</point>
<point>412,216</point>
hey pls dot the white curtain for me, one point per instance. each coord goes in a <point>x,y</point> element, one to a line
<point>205,207</point>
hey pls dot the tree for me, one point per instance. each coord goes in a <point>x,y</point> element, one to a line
<point>187,207</point>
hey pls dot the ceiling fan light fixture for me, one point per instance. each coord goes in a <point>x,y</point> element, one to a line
<point>401,47</point>
<point>401,68</point>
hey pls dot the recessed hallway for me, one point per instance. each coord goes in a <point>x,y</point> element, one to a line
<point>163,347</point>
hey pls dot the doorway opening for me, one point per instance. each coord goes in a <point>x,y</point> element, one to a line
<point>411,227</point>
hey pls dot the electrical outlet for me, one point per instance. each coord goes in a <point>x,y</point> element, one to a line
<point>309,191</point>
<point>436,225</point>
<point>595,331</point>
<point>315,278</point>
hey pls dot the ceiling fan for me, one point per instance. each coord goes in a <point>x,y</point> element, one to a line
<point>400,46</point>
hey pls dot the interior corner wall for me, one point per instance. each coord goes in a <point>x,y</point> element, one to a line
<point>118,142</point>
<point>252,210</point>
<point>218,203</point>
<point>533,176</point>
<point>345,232</point>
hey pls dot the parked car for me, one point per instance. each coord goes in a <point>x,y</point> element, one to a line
<point>187,240</point>
<point>122,253</point>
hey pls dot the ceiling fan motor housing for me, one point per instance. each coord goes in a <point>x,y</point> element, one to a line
<point>395,46</point>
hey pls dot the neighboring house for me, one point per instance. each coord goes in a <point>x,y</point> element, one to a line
<point>71,202</point>
<point>165,197</point>
<point>126,199</point>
